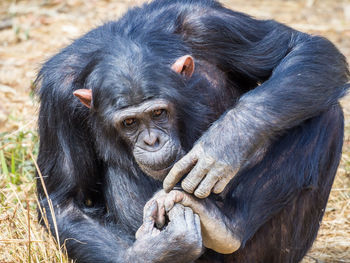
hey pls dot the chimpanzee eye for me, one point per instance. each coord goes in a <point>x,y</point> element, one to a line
<point>158,113</point>
<point>129,122</point>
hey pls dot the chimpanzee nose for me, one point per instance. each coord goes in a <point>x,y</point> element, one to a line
<point>151,139</point>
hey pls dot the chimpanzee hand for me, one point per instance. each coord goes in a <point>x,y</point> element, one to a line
<point>216,228</point>
<point>180,241</point>
<point>149,216</point>
<point>228,145</point>
<point>207,172</point>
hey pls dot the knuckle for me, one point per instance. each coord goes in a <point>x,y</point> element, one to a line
<point>185,198</point>
<point>160,193</point>
<point>188,210</point>
<point>174,172</point>
<point>170,196</point>
<point>176,168</point>
<point>215,176</point>
<point>192,159</point>
<point>209,160</point>
<point>181,234</point>
<point>188,186</point>
<point>198,148</point>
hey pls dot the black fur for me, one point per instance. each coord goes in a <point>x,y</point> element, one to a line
<point>284,84</point>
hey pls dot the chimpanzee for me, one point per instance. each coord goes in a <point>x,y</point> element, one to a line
<point>245,111</point>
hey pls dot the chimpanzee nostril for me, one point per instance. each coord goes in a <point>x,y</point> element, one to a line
<point>151,140</point>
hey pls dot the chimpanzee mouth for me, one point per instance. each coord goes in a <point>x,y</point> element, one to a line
<point>163,172</point>
<point>159,172</point>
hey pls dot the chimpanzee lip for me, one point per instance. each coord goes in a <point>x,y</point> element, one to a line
<point>161,166</point>
<point>153,171</point>
<point>160,174</point>
<point>167,168</point>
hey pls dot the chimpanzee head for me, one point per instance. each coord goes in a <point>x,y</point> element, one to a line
<point>143,120</point>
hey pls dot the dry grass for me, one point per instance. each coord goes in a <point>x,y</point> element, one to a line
<point>31,31</point>
<point>22,239</point>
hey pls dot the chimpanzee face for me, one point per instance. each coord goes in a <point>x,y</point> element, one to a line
<point>150,130</point>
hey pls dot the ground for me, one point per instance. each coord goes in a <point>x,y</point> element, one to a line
<point>31,31</point>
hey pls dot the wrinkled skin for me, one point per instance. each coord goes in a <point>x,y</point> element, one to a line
<point>183,228</point>
<point>215,232</point>
<point>150,131</point>
<point>207,171</point>
<point>235,141</point>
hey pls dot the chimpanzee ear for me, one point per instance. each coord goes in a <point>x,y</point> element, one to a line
<point>184,66</point>
<point>84,95</point>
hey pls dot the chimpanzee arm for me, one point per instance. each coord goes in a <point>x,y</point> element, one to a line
<point>300,76</point>
<point>90,240</point>
<point>73,175</point>
<point>302,162</point>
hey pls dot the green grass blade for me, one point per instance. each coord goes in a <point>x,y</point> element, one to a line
<point>13,167</point>
<point>4,168</point>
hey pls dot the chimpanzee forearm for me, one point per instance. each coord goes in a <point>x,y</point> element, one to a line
<point>260,192</point>
<point>308,80</point>
<point>256,193</point>
<point>301,76</point>
<point>290,96</point>
<point>89,240</point>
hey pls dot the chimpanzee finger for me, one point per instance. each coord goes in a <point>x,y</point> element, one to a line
<point>150,211</point>
<point>204,188</point>
<point>148,220</point>
<point>146,228</point>
<point>193,224</point>
<point>221,184</point>
<point>140,232</point>
<point>160,218</point>
<point>190,183</point>
<point>172,198</point>
<point>197,224</point>
<point>189,218</point>
<point>179,169</point>
<point>177,214</point>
